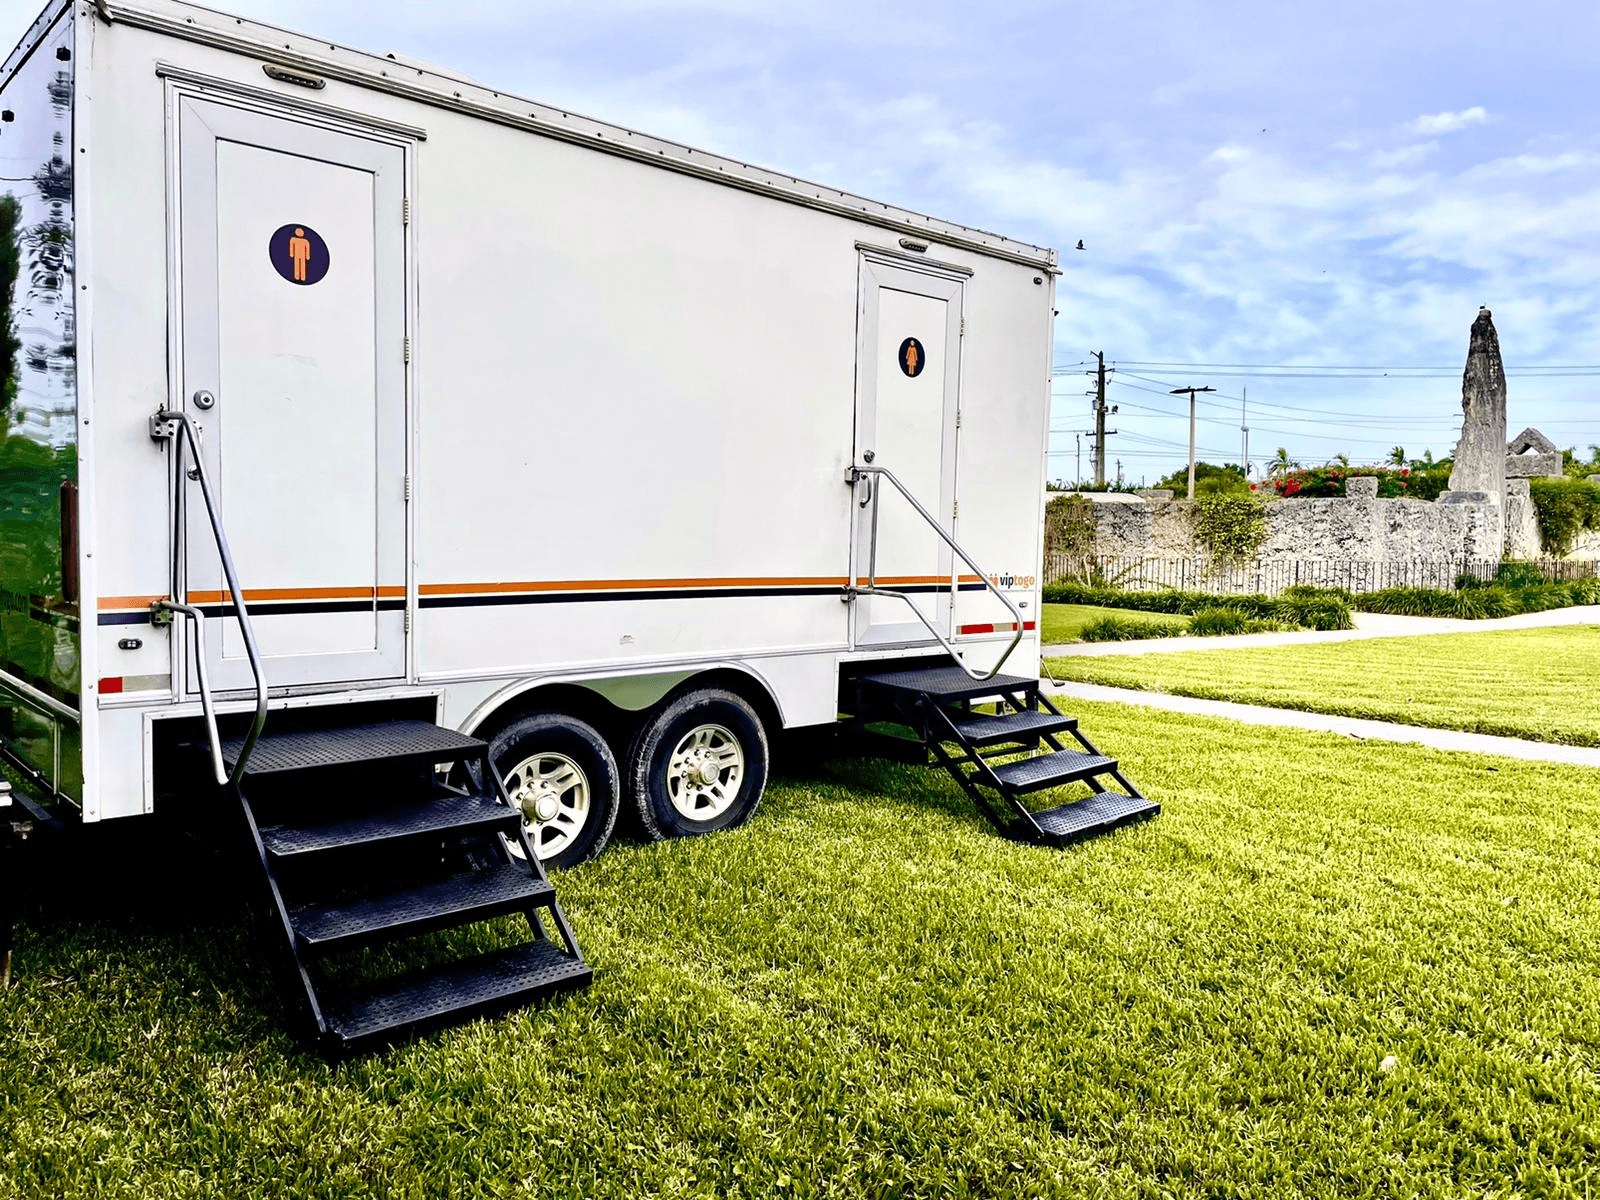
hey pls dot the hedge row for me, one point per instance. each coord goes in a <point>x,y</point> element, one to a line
<point>1303,608</point>
<point>1331,608</point>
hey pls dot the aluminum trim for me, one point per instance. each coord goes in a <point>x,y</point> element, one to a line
<point>343,117</point>
<point>369,71</point>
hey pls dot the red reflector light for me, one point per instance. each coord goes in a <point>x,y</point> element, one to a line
<point>112,686</point>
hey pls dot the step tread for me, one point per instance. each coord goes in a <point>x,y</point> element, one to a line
<point>349,745</point>
<point>1047,770</point>
<point>440,904</point>
<point>1093,815</point>
<point>485,983</point>
<point>465,814</point>
<point>985,729</point>
<point>946,683</point>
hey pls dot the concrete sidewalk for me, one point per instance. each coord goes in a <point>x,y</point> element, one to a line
<point>1368,625</point>
<point>1384,731</point>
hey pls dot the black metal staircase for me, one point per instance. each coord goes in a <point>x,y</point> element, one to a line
<point>998,756</point>
<point>362,841</point>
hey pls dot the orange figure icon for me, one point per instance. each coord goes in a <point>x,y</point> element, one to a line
<point>300,253</point>
<point>911,359</point>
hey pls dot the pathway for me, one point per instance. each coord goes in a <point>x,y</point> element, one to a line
<point>1384,731</point>
<point>1368,625</point>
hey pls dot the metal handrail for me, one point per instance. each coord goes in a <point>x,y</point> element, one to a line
<point>873,497</point>
<point>177,427</point>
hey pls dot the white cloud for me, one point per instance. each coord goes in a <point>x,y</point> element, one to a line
<point>1449,122</point>
<point>1404,156</point>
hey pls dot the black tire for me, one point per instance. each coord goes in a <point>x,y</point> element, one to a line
<point>552,733</point>
<point>649,758</point>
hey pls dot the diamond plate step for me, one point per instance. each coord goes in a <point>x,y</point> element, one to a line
<point>944,685</point>
<point>488,983</point>
<point>1050,770</point>
<point>447,815</point>
<point>988,729</point>
<point>1094,815</point>
<point>439,905</point>
<point>387,742</point>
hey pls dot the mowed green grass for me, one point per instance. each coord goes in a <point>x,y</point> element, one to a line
<point>1542,684</point>
<point>868,993</point>
<point>1064,622</point>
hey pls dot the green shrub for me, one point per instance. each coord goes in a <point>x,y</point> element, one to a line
<point>1124,629</point>
<point>1222,622</point>
<point>1519,575</point>
<point>1316,593</point>
<point>1314,611</point>
<point>1566,507</point>
<point>1473,604</point>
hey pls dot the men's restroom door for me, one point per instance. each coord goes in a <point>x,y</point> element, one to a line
<point>293,282</point>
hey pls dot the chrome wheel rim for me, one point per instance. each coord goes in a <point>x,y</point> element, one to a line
<point>704,772</point>
<point>553,795</point>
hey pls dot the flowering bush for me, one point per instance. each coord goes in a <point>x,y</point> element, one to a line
<point>1393,482</point>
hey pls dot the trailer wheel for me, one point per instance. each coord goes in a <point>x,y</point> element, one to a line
<point>698,765</point>
<point>559,771</point>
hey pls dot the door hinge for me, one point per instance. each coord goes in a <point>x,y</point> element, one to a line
<point>955,510</point>
<point>405,211</point>
<point>408,489</point>
<point>408,350</point>
<point>963,332</point>
<point>958,418</point>
<point>408,620</point>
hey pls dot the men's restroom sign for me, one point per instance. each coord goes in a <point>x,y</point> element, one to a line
<point>299,254</point>
<point>913,358</point>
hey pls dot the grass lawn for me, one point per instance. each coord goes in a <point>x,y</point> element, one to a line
<point>868,993</point>
<point>1063,622</point>
<point>1532,683</point>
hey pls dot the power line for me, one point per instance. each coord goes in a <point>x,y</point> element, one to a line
<point>1454,370</point>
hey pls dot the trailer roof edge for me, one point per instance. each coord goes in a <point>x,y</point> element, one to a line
<point>29,41</point>
<point>360,68</point>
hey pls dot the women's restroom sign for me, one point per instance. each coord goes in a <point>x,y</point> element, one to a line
<point>299,254</point>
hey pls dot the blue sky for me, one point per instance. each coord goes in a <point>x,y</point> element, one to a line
<point>1255,183</point>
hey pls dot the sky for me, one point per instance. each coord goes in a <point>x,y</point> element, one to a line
<point>1304,203</point>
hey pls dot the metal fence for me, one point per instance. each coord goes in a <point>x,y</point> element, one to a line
<point>1270,578</point>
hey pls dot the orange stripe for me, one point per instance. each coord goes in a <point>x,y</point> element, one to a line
<point>265,595</point>
<point>619,585</point>
<point>111,602</point>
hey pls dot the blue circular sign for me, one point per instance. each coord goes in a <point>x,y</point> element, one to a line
<point>913,358</point>
<point>299,254</point>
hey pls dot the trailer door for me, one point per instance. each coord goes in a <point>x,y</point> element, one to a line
<point>907,396</point>
<point>292,284</point>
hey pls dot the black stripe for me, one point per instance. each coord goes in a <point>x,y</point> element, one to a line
<point>489,601</point>
<point>269,610</point>
<point>495,599</point>
<point>657,594</point>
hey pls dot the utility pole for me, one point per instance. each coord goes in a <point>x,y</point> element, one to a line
<point>1100,421</point>
<point>1191,391</point>
<point>1077,437</point>
<point>1244,428</point>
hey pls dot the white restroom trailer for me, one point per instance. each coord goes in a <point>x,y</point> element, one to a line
<point>515,422</point>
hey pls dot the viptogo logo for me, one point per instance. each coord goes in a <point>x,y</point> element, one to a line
<point>1021,582</point>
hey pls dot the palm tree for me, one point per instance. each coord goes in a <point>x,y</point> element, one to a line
<point>1397,456</point>
<point>1281,464</point>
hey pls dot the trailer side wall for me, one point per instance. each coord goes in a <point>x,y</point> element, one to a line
<point>40,684</point>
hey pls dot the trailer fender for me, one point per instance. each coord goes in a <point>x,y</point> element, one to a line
<point>631,694</point>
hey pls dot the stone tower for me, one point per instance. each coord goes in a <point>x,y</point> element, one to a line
<point>1479,472</point>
